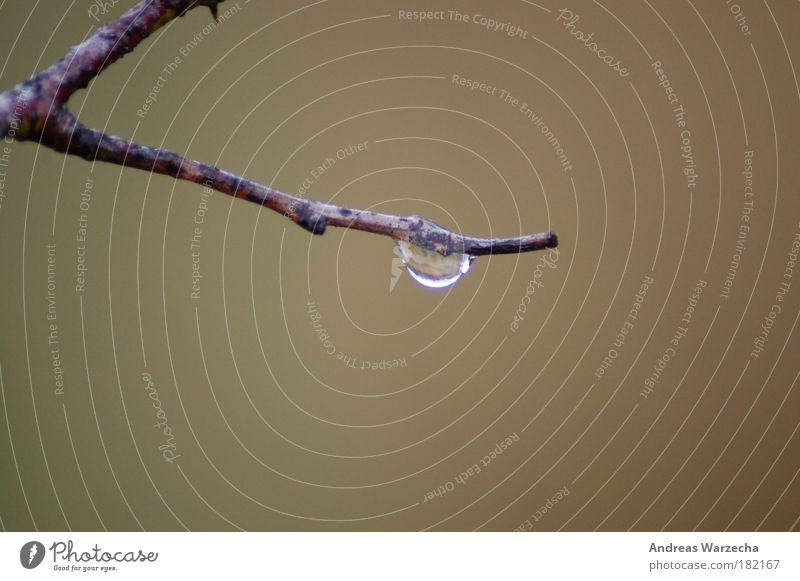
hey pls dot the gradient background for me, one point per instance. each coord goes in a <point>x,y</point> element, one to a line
<point>275,433</point>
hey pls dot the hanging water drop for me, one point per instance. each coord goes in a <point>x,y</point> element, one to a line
<point>430,268</point>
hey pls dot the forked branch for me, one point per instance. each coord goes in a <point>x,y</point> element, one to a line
<point>35,110</point>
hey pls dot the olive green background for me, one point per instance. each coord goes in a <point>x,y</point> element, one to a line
<point>280,427</point>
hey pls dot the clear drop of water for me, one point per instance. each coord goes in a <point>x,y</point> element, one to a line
<point>430,268</point>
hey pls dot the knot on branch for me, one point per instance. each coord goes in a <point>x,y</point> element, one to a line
<point>312,221</point>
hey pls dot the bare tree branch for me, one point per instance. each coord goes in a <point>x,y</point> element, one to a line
<point>35,110</point>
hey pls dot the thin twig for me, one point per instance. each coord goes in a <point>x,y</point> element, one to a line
<point>35,110</point>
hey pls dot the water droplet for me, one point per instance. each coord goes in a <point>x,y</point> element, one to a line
<point>430,268</point>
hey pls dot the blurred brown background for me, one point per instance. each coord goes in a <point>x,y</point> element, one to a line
<point>304,386</point>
